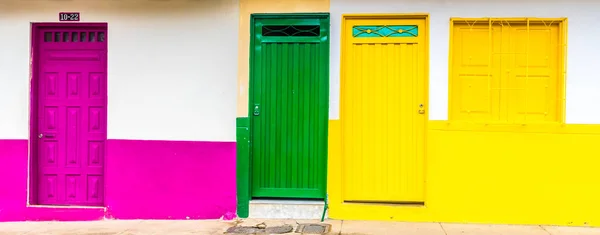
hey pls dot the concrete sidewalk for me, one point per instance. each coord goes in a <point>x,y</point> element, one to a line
<point>210,227</point>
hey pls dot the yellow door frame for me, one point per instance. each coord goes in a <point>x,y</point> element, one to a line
<point>337,208</point>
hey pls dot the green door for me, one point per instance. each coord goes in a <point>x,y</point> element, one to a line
<point>289,105</point>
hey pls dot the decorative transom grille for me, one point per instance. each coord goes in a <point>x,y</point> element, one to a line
<point>384,31</point>
<point>291,30</point>
<point>74,36</point>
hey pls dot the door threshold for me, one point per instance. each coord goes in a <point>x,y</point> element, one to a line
<point>288,201</point>
<point>286,209</point>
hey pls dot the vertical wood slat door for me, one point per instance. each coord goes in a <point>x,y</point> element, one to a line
<point>290,108</point>
<point>383,87</point>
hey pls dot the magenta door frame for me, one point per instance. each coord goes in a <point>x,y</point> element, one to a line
<point>33,101</point>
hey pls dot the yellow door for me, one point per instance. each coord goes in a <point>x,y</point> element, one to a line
<point>383,110</point>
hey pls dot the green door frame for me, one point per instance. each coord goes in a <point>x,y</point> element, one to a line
<point>244,127</point>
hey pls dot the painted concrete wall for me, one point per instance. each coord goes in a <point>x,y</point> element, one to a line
<point>503,174</point>
<point>172,69</point>
<point>172,66</point>
<point>582,44</point>
<point>494,176</point>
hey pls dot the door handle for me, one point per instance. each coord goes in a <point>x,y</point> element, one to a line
<point>46,135</point>
<point>256,109</point>
<point>421,109</point>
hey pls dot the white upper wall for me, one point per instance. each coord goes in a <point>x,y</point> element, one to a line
<point>172,65</point>
<point>583,80</point>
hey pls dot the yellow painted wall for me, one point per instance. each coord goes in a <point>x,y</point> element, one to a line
<point>248,7</point>
<point>547,174</point>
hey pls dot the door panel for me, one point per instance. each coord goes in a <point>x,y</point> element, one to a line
<point>72,116</point>
<point>383,86</point>
<point>474,92</point>
<point>532,82</point>
<point>289,117</point>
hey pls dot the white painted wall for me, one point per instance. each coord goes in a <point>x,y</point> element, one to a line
<point>172,65</point>
<point>583,76</point>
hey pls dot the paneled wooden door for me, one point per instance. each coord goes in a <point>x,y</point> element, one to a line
<point>71,114</point>
<point>289,107</point>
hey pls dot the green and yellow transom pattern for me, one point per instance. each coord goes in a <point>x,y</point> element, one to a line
<point>384,31</point>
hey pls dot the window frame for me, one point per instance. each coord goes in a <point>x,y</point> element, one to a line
<point>561,73</point>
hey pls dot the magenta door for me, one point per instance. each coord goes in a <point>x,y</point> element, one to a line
<point>71,77</point>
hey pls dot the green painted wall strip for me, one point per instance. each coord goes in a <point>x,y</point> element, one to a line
<point>243,159</point>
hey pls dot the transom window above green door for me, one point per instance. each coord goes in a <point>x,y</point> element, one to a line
<point>291,30</point>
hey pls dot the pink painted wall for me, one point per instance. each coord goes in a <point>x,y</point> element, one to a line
<point>144,180</point>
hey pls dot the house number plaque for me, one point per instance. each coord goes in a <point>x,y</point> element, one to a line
<point>69,16</point>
